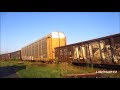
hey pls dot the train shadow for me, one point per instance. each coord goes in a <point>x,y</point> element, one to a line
<point>10,70</point>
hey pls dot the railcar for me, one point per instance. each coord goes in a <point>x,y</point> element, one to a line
<point>105,50</point>
<point>43,49</point>
<point>5,56</point>
<point>16,55</point>
<point>0,57</point>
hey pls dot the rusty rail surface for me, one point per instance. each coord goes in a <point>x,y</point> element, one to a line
<point>88,75</point>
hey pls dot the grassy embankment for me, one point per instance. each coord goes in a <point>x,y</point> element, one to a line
<point>41,70</point>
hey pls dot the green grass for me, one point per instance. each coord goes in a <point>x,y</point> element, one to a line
<point>40,70</point>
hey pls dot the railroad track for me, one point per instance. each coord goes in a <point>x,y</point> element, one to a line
<point>87,75</point>
<point>106,66</point>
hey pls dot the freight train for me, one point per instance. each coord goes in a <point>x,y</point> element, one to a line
<point>40,50</point>
<point>52,47</point>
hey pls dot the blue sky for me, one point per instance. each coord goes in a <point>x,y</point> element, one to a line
<point>18,29</point>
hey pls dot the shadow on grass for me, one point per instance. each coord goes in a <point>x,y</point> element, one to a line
<point>10,71</point>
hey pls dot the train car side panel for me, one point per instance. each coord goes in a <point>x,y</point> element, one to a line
<point>43,49</point>
<point>105,50</point>
<point>116,49</point>
<point>16,55</point>
<point>6,56</point>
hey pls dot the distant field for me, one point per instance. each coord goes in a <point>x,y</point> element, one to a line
<point>42,70</point>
